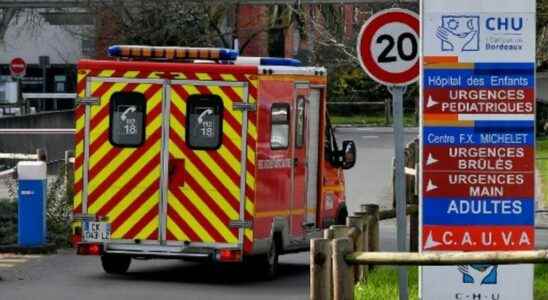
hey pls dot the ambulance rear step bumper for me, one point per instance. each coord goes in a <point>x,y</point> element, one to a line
<point>187,252</point>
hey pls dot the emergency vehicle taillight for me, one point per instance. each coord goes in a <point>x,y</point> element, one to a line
<point>229,255</point>
<point>89,249</point>
<point>154,52</point>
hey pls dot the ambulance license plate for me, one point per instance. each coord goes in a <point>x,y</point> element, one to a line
<point>96,231</point>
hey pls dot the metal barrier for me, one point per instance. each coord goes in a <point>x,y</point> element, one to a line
<point>37,131</point>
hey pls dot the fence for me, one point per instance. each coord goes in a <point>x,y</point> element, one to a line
<point>328,278</point>
<point>8,176</point>
<point>346,253</point>
<point>370,107</point>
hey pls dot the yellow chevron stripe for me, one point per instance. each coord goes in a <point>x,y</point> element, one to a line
<point>249,234</point>
<point>82,74</point>
<point>104,126</point>
<point>122,180</point>
<point>150,179</point>
<point>148,229</point>
<point>252,130</point>
<point>249,207</point>
<point>106,73</point>
<point>178,75</point>
<point>176,231</point>
<point>189,219</point>
<point>203,76</point>
<point>77,200</point>
<point>123,155</point>
<point>211,217</point>
<point>205,183</point>
<point>211,164</point>
<point>228,77</point>
<point>131,74</point>
<point>151,203</point>
<point>232,134</point>
<point>223,151</point>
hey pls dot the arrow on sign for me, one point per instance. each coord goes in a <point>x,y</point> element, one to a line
<point>431,160</point>
<point>431,102</point>
<point>430,243</point>
<point>431,186</point>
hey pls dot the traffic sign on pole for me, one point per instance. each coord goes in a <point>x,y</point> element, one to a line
<point>18,67</point>
<point>388,47</point>
<point>388,50</point>
<point>478,137</point>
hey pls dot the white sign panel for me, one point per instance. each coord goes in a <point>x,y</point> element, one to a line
<point>477,84</point>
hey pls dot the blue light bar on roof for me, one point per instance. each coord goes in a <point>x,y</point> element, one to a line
<point>132,51</point>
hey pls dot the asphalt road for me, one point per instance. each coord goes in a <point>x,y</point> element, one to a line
<point>67,276</point>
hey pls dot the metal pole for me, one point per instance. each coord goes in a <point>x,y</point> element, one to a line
<point>399,169</point>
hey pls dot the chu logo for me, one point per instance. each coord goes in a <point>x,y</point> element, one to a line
<point>478,274</point>
<point>459,33</point>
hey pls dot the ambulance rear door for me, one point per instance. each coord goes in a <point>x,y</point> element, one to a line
<point>121,165</point>
<point>207,180</point>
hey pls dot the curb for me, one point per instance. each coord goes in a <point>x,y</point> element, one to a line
<point>45,249</point>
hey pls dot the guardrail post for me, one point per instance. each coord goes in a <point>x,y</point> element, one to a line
<point>41,154</point>
<point>372,211</point>
<point>357,222</point>
<point>343,277</point>
<point>320,270</point>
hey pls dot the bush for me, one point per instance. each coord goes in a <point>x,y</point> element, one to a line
<point>8,222</point>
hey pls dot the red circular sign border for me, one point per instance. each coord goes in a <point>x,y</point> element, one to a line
<point>367,32</point>
<point>22,71</point>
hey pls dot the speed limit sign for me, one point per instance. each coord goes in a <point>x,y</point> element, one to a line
<point>388,47</point>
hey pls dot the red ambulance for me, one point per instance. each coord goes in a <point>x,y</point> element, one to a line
<point>201,154</point>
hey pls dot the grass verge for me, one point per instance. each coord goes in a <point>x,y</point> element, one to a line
<point>383,284</point>
<point>542,166</point>
<point>373,120</point>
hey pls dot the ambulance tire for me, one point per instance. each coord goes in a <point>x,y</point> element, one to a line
<point>270,267</point>
<point>341,216</point>
<point>266,265</point>
<point>115,264</point>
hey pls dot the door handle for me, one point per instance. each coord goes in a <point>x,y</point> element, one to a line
<point>176,173</point>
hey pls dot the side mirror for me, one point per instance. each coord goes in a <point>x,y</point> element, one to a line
<point>349,155</point>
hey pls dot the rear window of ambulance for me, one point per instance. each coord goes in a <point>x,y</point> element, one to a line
<point>204,122</point>
<point>127,119</point>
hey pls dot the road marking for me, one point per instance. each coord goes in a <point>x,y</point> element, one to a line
<point>370,136</point>
<point>12,260</point>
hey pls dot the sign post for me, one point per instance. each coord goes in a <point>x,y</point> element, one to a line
<point>18,69</point>
<point>388,52</point>
<point>477,144</point>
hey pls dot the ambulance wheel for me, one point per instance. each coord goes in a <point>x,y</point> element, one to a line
<point>266,265</point>
<point>115,264</point>
<point>270,261</point>
<point>341,216</point>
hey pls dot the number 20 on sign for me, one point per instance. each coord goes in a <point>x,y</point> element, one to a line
<point>388,47</point>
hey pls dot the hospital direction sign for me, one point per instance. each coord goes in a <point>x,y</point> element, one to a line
<point>477,133</point>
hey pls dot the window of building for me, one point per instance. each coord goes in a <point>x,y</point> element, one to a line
<point>279,138</point>
<point>127,119</point>
<point>204,122</point>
